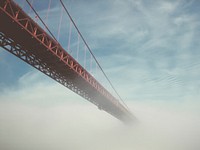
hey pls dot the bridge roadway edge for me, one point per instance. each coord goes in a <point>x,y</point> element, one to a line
<point>11,29</point>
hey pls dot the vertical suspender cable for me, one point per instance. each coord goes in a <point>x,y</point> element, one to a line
<point>30,7</point>
<point>60,23</point>
<point>47,15</point>
<point>23,4</point>
<point>95,69</point>
<point>85,57</point>
<point>91,63</point>
<point>41,21</point>
<point>69,38</point>
<point>77,48</point>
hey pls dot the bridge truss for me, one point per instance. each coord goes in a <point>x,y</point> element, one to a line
<point>24,38</point>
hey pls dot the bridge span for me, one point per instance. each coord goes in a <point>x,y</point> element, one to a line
<point>24,38</point>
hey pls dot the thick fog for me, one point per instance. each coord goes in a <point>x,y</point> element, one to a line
<point>47,116</point>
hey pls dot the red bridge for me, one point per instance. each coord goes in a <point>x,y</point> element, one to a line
<point>23,37</point>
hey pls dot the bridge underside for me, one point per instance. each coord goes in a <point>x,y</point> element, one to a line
<point>21,36</point>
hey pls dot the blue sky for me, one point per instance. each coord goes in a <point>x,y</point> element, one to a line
<point>150,51</point>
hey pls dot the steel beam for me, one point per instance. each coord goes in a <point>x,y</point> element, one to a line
<point>24,38</point>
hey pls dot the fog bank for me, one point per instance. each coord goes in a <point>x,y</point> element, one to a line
<point>43,115</point>
<point>83,126</point>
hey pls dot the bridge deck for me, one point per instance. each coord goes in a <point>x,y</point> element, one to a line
<point>24,38</point>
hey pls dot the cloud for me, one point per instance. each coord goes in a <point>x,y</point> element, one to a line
<point>75,124</point>
<point>147,43</point>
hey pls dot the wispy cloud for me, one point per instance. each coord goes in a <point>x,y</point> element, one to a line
<point>148,42</point>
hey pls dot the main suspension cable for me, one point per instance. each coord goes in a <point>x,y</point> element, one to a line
<point>91,52</point>
<point>83,41</point>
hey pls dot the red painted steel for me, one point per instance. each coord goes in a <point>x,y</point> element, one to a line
<point>24,38</point>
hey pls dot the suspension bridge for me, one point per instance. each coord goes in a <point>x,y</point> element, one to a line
<point>25,33</point>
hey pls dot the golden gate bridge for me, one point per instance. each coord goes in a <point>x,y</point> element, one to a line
<point>31,40</point>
